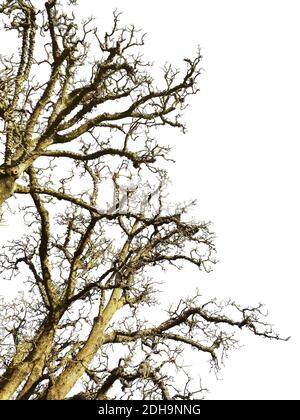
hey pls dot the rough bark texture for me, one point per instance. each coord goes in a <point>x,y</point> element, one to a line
<point>7,187</point>
<point>29,366</point>
<point>76,368</point>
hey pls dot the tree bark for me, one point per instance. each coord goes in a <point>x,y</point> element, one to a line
<point>7,187</point>
<point>30,366</point>
<point>75,369</point>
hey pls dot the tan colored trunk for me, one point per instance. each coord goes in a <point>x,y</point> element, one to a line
<point>28,367</point>
<point>38,365</point>
<point>8,183</point>
<point>75,369</point>
<point>7,187</point>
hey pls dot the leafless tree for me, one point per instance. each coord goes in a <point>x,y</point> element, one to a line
<point>78,105</point>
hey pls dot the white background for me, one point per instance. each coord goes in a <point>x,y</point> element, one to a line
<point>240,160</point>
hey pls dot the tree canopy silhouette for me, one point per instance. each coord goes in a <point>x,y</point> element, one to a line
<point>79,110</point>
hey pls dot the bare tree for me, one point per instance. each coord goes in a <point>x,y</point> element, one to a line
<point>41,118</point>
<point>88,325</point>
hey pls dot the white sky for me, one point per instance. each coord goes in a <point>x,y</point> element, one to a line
<point>240,160</point>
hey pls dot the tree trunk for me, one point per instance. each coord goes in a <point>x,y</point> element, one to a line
<point>30,366</point>
<point>7,187</point>
<point>75,369</point>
